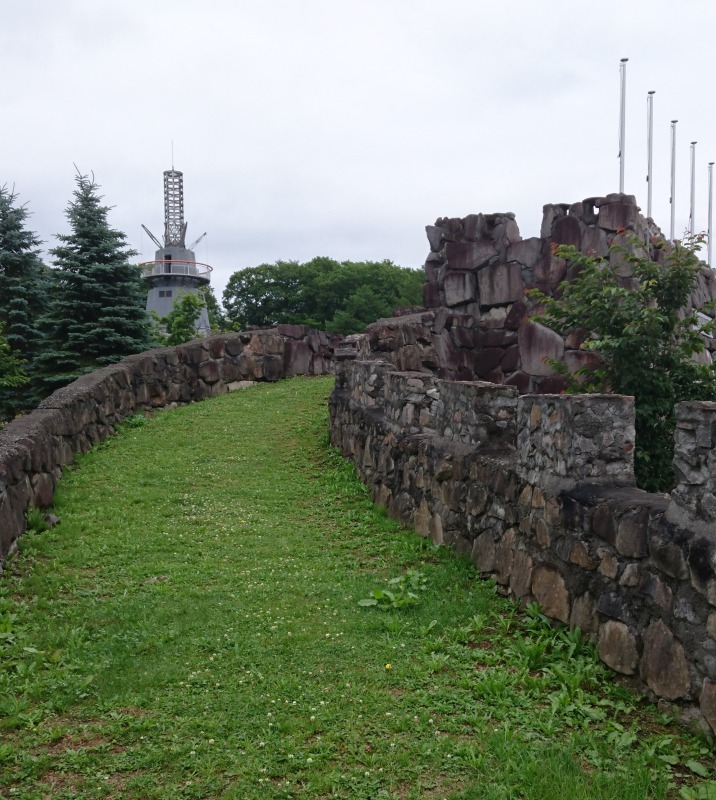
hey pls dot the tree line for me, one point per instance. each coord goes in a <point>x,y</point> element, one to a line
<point>87,309</point>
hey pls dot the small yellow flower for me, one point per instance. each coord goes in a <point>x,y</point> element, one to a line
<point>388,666</point>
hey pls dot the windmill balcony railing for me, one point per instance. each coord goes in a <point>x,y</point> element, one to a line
<point>177,266</point>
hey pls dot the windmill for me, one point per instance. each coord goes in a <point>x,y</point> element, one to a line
<point>175,270</point>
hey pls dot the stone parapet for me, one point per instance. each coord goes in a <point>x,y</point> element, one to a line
<point>694,498</point>
<point>34,449</point>
<point>565,529</point>
<point>573,438</point>
<point>476,413</point>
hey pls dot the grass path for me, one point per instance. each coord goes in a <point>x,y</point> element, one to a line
<point>192,630</point>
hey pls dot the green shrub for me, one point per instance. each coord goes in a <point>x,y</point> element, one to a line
<point>645,341</point>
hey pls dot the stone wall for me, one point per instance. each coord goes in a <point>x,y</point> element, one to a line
<point>34,449</point>
<point>476,326</point>
<point>540,492</point>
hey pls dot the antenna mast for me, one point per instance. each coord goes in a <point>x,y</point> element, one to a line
<point>650,148</point>
<point>622,123</point>
<point>692,210</point>
<point>711,198</point>
<point>672,199</point>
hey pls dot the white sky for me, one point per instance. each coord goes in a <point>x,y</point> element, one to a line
<point>343,127</point>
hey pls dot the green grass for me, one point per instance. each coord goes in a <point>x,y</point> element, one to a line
<point>192,629</point>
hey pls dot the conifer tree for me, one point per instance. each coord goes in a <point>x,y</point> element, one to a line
<point>97,315</point>
<point>23,299</point>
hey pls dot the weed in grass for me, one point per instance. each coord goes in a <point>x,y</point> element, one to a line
<point>36,522</point>
<point>405,590</point>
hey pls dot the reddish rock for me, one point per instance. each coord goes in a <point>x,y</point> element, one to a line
<point>431,294</point>
<point>487,359</point>
<point>581,359</point>
<point>707,702</point>
<point>617,647</point>
<point>550,591</point>
<point>473,227</point>
<point>584,614</point>
<point>209,372</point>
<point>500,284</point>
<point>663,663</point>
<point>603,524</point>
<point>594,242</point>
<point>521,576</point>
<point>511,359</point>
<point>537,345</point>
<point>459,288</point>
<point>521,381</point>
<point>292,331</point>
<point>631,534</point>
<point>216,347</point>
<point>483,552</point>
<point>550,271</point>
<point>550,213</point>
<point>469,255</point>
<point>516,315</point>
<point>296,357</point>
<point>554,384</point>
<point>435,237</point>
<point>568,231</point>
<point>526,252</point>
<point>615,216</point>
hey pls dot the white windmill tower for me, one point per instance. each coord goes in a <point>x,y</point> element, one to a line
<point>175,270</point>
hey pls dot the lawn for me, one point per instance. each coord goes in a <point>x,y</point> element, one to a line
<point>194,628</point>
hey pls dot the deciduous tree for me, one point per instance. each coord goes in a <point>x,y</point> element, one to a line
<point>337,296</point>
<point>647,341</point>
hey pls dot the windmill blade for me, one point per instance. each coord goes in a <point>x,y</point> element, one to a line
<point>152,237</point>
<point>194,244</point>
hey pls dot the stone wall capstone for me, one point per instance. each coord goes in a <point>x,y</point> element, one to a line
<point>34,449</point>
<point>539,491</point>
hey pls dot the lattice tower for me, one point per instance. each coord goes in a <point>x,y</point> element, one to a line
<point>174,225</point>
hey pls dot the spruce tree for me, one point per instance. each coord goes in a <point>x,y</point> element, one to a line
<point>23,299</point>
<point>98,313</point>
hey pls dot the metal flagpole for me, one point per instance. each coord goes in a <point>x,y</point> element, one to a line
<point>622,123</point>
<point>692,223</point>
<point>711,198</point>
<point>672,199</point>
<point>650,150</point>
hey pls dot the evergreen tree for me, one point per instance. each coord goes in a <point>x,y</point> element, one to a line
<point>23,299</point>
<point>12,374</point>
<point>97,315</point>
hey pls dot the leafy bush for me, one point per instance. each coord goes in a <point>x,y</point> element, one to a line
<point>646,342</point>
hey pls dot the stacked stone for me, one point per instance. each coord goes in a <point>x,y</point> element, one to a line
<point>477,276</point>
<point>35,448</point>
<point>564,437</point>
<point>476,413</point>
<point>695,465</point>
<point>405,341</point>
<point>553,516</point>
<point>410,400</point>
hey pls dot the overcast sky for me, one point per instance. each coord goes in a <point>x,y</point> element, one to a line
<point>343,127</point>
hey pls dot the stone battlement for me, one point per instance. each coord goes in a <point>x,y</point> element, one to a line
<point>539,491</point>
<point>34,449</point>
<point>476,324</point>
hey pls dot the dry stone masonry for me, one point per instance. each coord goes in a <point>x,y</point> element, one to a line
<point>539,491</point>
<point>34,449</point>
<point>476,322</point>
